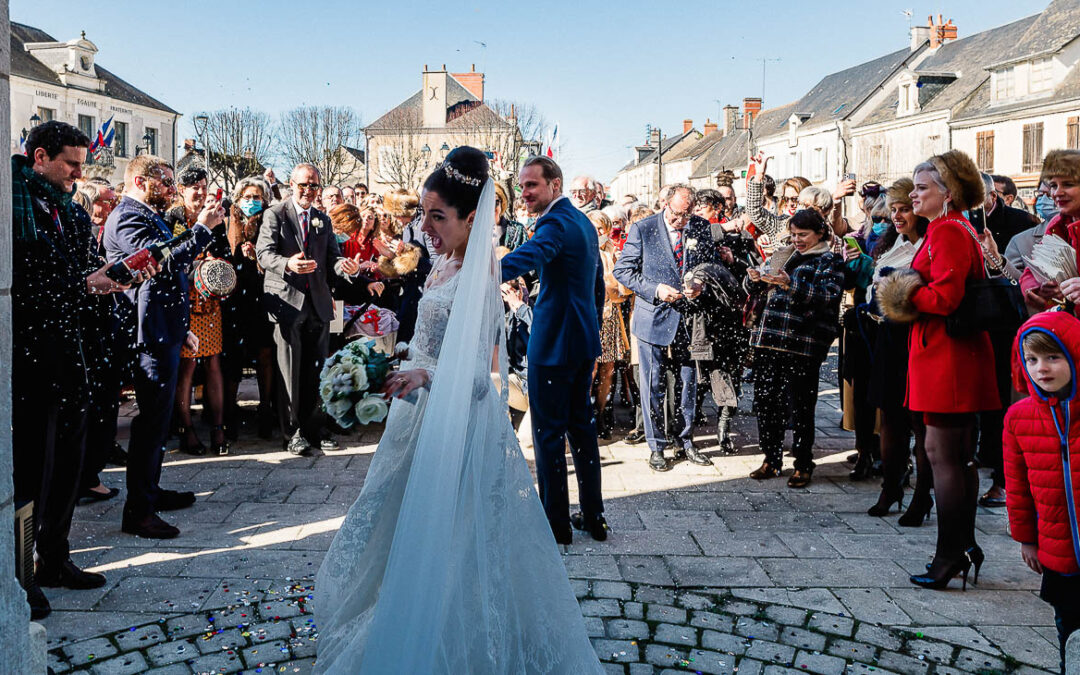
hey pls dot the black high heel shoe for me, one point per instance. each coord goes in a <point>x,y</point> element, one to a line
<point>187,448</point>
<point>916,514</point>
<point>977,558</point>
<point>222,447</point>
<point>864,467</point>
<point>884,505</point>
<point>942,579</point>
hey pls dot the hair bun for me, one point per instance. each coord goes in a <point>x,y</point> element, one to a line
<point>469,162</point>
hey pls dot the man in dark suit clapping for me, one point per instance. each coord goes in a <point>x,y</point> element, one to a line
<point>659,251</point>
<point>296,247</point>
<point>162,306</point>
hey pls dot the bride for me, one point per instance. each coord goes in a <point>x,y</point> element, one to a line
<point>446,562</point>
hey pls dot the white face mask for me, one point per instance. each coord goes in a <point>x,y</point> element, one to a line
<point>604,239</point>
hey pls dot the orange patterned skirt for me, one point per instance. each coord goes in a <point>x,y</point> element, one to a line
<point>206,323</point>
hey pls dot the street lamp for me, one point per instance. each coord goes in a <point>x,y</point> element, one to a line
<point>147,139</point>
<point>35,120</point>
<point>444,150</point>
<point>202,120</point>
<point>425,152</point>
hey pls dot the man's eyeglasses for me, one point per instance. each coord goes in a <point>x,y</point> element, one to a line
<point>167,182</point>
<point>308,186</point>
<point>579,193</point>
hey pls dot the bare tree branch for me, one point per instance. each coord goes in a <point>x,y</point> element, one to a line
<point>318,135</point>
<point>238,143</point>
<point>507,129</point>
<point>399,138</point>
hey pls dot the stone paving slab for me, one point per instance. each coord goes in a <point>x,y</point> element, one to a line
<point>705,571</point>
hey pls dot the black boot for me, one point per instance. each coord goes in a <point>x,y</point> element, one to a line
<point>723,432</point>
<point>35,597</point>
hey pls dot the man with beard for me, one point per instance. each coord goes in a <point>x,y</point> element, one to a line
<point>163,312</point>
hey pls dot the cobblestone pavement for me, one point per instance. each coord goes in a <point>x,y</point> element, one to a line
<point>705,572</point>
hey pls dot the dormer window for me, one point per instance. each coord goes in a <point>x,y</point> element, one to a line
<point>1003,83</point>
<point>1041,78</point>
<point>907,102</point>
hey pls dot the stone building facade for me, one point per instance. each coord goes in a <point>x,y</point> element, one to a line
<point>63,81</point>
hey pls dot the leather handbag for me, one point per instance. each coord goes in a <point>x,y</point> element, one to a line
<point>993,303</point>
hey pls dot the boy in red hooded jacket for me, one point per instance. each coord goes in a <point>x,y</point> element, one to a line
<point>1042,462</point>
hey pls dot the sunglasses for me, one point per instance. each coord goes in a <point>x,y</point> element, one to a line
<point>308,186</point>
<point>871,191</point>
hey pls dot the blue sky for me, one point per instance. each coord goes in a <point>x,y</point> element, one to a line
<point>602,70</point>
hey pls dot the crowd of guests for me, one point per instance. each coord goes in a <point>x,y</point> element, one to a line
<point>701,296</point>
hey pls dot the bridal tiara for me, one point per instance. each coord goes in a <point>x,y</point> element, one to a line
<point>454,174</point>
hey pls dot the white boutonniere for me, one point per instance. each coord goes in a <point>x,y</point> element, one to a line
<point>691,244</point>
<point>316,224</point>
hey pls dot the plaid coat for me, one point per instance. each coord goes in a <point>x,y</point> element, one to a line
<point>803,319</point>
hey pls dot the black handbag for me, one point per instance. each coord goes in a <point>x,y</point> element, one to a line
<point>993,303</point>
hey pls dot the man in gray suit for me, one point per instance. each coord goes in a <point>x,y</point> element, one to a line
<point>296,247</point>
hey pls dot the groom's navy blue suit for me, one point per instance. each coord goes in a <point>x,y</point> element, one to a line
<point>563,346</point>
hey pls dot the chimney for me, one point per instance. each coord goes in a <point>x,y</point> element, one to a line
<point>941,32</point>
<point>710,127</point>
<point>473,81</point>
<point>948,31</point>
<point>751,108</point>
<point>731,119</point>
<point>687,125</point>
<point>654,137</point>
<point>433,99</point>
<point>919,35</point>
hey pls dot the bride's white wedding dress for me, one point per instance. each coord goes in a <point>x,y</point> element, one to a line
<point>446,563</point>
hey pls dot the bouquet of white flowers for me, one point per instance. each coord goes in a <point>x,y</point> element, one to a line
<point>348,383</point>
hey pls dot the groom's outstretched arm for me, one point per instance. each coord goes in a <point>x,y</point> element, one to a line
<point>535,253</point>
<point>628,269</point>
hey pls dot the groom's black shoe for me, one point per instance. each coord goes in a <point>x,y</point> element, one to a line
<point>563,535</point>
<point>596,526</point>
<point>657,461</point>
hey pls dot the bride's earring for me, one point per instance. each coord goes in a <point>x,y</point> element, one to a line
<point>945,208</point>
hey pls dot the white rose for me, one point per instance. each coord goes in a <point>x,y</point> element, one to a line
<point>371,409</point>
<point>326,391</point>
<point>359,379</point>
<point>338,409</point>
<point>360,348</point>
<point>691,244</point>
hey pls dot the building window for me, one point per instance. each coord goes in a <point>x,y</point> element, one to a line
<point>1041,76</point>
<point>819,168</point>
<point>1004,84</point>
<point>1072,133</point>
<point>1033,147</point>
<point>120,141</point>
<point>46,114</point>
<point>151,137</point>
<point>86,125</point>
<point>984,151</point>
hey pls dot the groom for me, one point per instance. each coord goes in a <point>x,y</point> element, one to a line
<point>563,346</point>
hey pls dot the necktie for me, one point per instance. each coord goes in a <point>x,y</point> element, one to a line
<point>678,250</point>
<point>304,226</point>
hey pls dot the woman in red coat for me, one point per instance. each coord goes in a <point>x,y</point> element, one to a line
<point>1042,462</point>
<point>949,379</point>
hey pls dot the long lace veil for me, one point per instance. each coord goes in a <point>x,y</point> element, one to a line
<point>439,534</point>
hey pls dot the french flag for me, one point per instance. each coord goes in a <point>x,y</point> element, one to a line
<point>104,136</point>
<point>553,142</point>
